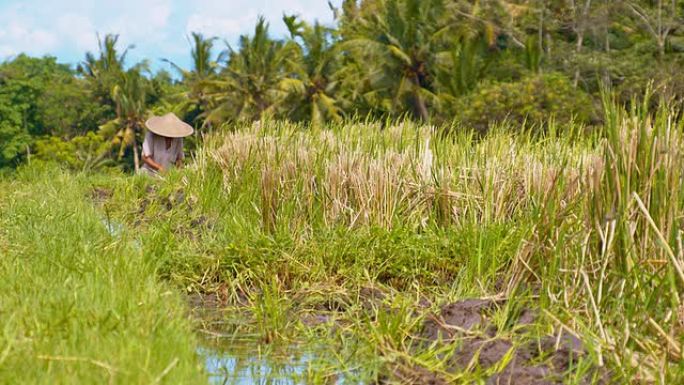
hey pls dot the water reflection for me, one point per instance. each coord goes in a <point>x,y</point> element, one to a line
<point>231,360</point>
<point>114,228</point>
<point>254,366</point>
<point>234,355</point>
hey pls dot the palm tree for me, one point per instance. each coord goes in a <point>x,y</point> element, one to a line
<point>463,67</point>
<point>108,61</point>
<point>204,68</point>
<point>203,64</point>
<point>103,71</point>
<point>249,86</point>
<point>312,83</point>
<point>130,96</point>
<point>404,36</point>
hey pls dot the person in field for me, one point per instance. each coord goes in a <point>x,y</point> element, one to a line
<point>163,145</point>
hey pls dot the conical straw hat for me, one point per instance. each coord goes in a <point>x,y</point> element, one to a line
<point>169,126</point>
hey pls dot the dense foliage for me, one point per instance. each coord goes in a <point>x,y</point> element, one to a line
<point>473,62</point>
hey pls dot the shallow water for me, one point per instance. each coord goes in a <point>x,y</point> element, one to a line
<point>233,356</point>
<point>248,363</point>
<point>238,358</point>
<point>114,228</point>
<point>117,230</point>
<point>230,360</point>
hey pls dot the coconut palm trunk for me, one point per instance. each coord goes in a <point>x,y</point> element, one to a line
<point>136,155</point>
<point>419,106</point>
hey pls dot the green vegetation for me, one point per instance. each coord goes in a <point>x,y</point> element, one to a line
<point>467,64</point>
<point>78,305</point>
<point>426,192</point>
<point>358,240</point>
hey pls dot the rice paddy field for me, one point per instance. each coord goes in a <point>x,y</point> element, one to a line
<point>358,253</point>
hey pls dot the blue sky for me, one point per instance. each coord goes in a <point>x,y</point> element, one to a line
<point>158,28</point>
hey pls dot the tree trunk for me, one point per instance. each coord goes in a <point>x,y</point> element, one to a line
<point>541,29</point>
<point>580,27</point>
<point>540,36</point>
<point>580,42</point>
<point>659,38</point>
<point>136,159</point>
<point>419,107</point>
<point>607,37</point>
<point>659,28</point>
<point>661,48</point>
<point>606,25</point>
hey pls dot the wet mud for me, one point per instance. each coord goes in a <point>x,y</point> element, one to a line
<point>100,195</point>
<point>411,375</point>
<point>514,356</point>
<point>524,358</point>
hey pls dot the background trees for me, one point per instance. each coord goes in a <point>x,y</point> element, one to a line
<point>314,80</point>
<point>130,95</point>
<point>474,62</point>
<point>249,86</point>
<point>401,38</point>
<point>195,102</point>
<point>103,72</point>
<point>40,97</point>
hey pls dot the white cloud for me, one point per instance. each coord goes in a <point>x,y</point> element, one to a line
<point>227,19</point>
<point>77,30</point>
<point>214,25</point>
<point>145,20</point>
<point>17,37</point>
<point>68,28</point>
<point>7,51</point>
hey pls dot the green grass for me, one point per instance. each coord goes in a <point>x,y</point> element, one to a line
<point>78,306</point>
<point>284,222</point>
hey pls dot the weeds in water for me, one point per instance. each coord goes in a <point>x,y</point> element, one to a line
<point>270,312</point>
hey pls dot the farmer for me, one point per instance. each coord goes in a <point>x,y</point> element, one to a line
<point>163,145</point>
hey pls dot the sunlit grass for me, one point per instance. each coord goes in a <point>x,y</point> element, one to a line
<point>370,229</point>
<point>79,306</point>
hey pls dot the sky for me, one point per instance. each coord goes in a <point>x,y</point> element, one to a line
<point>158,29</point>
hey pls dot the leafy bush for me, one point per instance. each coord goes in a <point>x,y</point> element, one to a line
<point>13,142</point>
<point>14,136</point>
<point>88,152</point>
<point>534,99</point>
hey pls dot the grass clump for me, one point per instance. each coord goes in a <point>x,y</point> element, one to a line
<point>78,305</point>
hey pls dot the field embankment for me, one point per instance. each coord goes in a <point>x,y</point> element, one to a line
<point>79,306</point>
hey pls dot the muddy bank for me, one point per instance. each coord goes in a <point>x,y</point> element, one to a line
<point>101,195</point>
<point>520,354</point>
